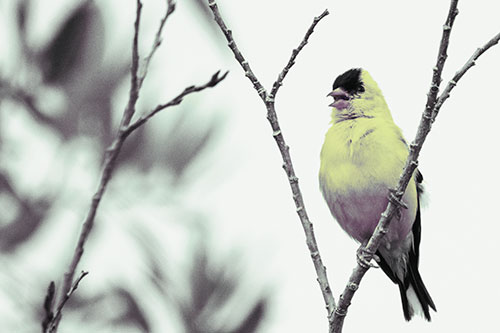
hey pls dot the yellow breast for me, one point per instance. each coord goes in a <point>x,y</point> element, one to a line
<point>360,160</point>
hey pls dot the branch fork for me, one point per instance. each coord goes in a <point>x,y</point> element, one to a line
<point>126,127</point>
<point>268,99</point>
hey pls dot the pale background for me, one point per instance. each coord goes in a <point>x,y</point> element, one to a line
<point>240,185</point>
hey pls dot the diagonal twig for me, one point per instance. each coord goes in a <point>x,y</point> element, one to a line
<point>58,313</point>
<point>52,318</point>
<point>279,81</point>
<point>237,54</point>
<point>157,42</point>
<point>268,99</point>
<point>214,80</point>
<point>458,75</point>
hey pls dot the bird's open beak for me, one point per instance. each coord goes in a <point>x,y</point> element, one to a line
<point>340,98</point>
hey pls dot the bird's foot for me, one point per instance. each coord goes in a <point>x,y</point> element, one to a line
<point>364,257</point>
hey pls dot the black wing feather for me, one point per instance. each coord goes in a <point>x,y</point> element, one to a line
<point>412,276</point>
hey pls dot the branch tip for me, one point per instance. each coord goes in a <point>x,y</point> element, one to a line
<point>215,79</point>
<point>295,52</point>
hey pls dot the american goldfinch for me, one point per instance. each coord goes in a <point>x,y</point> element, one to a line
<point>362,157</point>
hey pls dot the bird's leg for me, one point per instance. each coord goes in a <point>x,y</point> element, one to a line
<point>364,257</point>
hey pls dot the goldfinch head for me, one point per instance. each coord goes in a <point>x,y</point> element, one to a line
<point>355,92</point>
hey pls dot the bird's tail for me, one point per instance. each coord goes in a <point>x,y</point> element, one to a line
<point>414,296</point>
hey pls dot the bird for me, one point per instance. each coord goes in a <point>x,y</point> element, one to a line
<point>362,157</point>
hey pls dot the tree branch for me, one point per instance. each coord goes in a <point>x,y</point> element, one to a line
<point>410,166</point>
<point>237,54</point>
<point>279,81</point>
<point>214,80</point>
<point>458,75</point>
<point>112,153</point>
<point>134,81</point>
<point>50,317</point>
<point>157,42</point>
<point>268,100</point>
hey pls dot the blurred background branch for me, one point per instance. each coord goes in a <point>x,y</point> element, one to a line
<point>114,149</point>
<point>62,92</point>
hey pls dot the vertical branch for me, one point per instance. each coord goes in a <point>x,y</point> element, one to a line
<point>134,81</point>
<point>268,100</point>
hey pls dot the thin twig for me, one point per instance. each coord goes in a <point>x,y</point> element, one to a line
<point>110,159</point>
<point>237,54</point>
<point>157,42</point>
<point>55,317</point>
<point>458,75</point>
<point>134,81</point>
<point>66,297</point>
<point>411,163</point>
<point>279,81</point>
<point>214,80</point>
<point>268,100</point>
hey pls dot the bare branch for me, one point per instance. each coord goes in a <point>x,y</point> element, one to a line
<point>110,159</point>
<point>237,54</point>
<point>58,313</point>
<point>458,75</point>
<point>157,42</point>
<point>52,318</point>
<point>268,100</point>
<point>411,163</point>
<point>277,84</point>
<point>134,80</point>
<point>214,80</point>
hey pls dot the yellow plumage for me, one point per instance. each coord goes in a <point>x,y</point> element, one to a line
<point>362,157</point>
